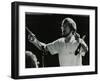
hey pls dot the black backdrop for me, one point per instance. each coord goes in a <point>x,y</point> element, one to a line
<point>47,28</point>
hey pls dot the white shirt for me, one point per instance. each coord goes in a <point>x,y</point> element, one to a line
<point>66,51</point>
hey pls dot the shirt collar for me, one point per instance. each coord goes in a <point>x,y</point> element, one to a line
<point>72,39</point>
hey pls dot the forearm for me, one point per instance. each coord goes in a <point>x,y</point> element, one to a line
<point>38,44</point>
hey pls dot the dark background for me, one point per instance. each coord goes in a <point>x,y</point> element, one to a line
<point>47,28</point>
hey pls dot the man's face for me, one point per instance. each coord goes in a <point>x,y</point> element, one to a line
<point>66,30</point>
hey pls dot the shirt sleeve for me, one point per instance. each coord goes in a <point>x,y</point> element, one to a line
<point>53,47</point>
<point>84,48</point>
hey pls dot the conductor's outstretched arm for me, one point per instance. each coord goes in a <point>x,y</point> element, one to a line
<point>32,39</point>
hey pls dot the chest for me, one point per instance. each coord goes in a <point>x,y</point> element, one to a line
<point>69,48</point>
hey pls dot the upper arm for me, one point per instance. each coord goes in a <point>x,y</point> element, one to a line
<point>84,48</point>
<point>53,47</point>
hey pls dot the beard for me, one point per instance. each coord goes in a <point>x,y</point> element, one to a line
<point>65,34</point>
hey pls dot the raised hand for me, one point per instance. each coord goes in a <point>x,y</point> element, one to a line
<point>31,36</point>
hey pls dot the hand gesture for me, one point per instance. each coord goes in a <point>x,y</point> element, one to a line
<point>31,37</point>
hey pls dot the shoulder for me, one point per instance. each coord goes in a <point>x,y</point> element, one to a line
<point>58,41</point>
<point>61,39</point>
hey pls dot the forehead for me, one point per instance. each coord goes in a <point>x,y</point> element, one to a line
<point>66,25</point>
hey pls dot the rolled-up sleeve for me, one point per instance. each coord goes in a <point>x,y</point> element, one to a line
<point>53,47</point>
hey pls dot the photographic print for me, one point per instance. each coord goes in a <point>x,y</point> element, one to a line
<point>51,40</point>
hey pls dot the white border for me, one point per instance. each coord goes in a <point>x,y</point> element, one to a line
<point>53,70</point>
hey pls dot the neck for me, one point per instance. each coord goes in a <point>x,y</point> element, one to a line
<point>67,38</point>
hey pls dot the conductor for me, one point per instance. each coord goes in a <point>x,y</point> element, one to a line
<point>70,47</point>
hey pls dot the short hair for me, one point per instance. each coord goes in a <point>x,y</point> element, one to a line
<point>70,22</point>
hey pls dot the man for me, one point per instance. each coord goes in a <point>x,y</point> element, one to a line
<point>66,46</point>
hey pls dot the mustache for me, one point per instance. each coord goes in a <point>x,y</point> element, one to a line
<point>64,34</point>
